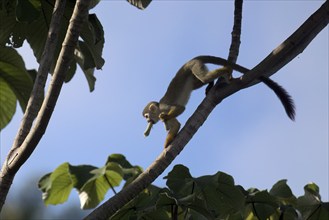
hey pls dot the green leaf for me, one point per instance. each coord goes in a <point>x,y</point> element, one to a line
<point>71,72</point>
<point>88,53</point>
<point>288,213</point>
<point>83,56</point>
<point>220,193</point>
<point>199,210</point>
<point>180,181</point>
<point>13,72</point>
<point>283,193</point>
<point>91,182</point>
<point>94,190</point>
<point>310,204</point>
<point>128,171</point>
<point>93,35</point>
<point>81,174</point>
<point>44,183</point>
<point>8,103</point>
<point>166,200</point>
<point>85,61</point>
<point>115,168</point>
<point>119,159</point>
<point>27,10</point>
<point>36,32</point>
<point>33,27</point>
<point>7,22</point>
<point>147,198</point>
<point>313,190</point>
<point>157,214</point>
<point>142,206</point>
<point>17,35</point>
<point>190,202</point>
<point>140,4</point>
<point>91,79</point>
<point>113,178</point>
<point>130,174</point>
<point>261,204</point>
<point>61,183</point>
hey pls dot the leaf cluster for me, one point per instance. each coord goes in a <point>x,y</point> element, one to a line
<point>92,183</point>
<point>217,197</point>
<point>28,20</point>
<point>185,197</point>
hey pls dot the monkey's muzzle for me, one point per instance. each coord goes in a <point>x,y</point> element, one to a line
<point>148,128</point>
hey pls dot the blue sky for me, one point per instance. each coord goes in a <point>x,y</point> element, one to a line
<point>247,136</point>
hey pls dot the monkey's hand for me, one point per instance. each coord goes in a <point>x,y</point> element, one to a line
<point>163,116</point>
<point>226,74</point>
<point>172,126</point>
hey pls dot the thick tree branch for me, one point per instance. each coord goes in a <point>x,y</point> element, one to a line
<point>291,47</point>
<point>301,38</point>
<point>34,103</point>
<point>24,151</point>
<point>47,58</point>
<point>79,15</point>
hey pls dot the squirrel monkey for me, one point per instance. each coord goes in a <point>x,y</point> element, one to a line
<point>193,75</point>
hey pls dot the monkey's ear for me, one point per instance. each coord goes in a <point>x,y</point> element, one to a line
<point>153,107</point>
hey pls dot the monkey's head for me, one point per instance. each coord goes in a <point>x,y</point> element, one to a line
<point>151,113</point>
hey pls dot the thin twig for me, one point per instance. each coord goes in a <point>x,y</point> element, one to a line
<point>236,33</point>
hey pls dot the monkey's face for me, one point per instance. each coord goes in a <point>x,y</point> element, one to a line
<point>151,113</point>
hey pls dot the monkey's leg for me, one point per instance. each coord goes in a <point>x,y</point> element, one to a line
<point>224,73</point>
<point>209,76</point>
<point>172,126</point>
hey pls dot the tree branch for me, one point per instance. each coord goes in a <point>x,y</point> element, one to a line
<point>24,151</point>
<point>34,103</point>
<point>47,58</point>
<point>291,47</point>
<point>236,33</point>
<point>235,40</point>
<point>301,38</point>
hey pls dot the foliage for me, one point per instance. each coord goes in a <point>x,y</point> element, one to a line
<point>91,182</point>
<point>29,20</point>
<point>185,197</point>
<point>15,84</point>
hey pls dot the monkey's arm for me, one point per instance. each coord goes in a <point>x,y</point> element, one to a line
<point>171,111</point>
<point>172,127</point>
<point>224,72</point>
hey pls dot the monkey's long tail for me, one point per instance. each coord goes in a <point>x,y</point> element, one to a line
<point>283,95</point>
